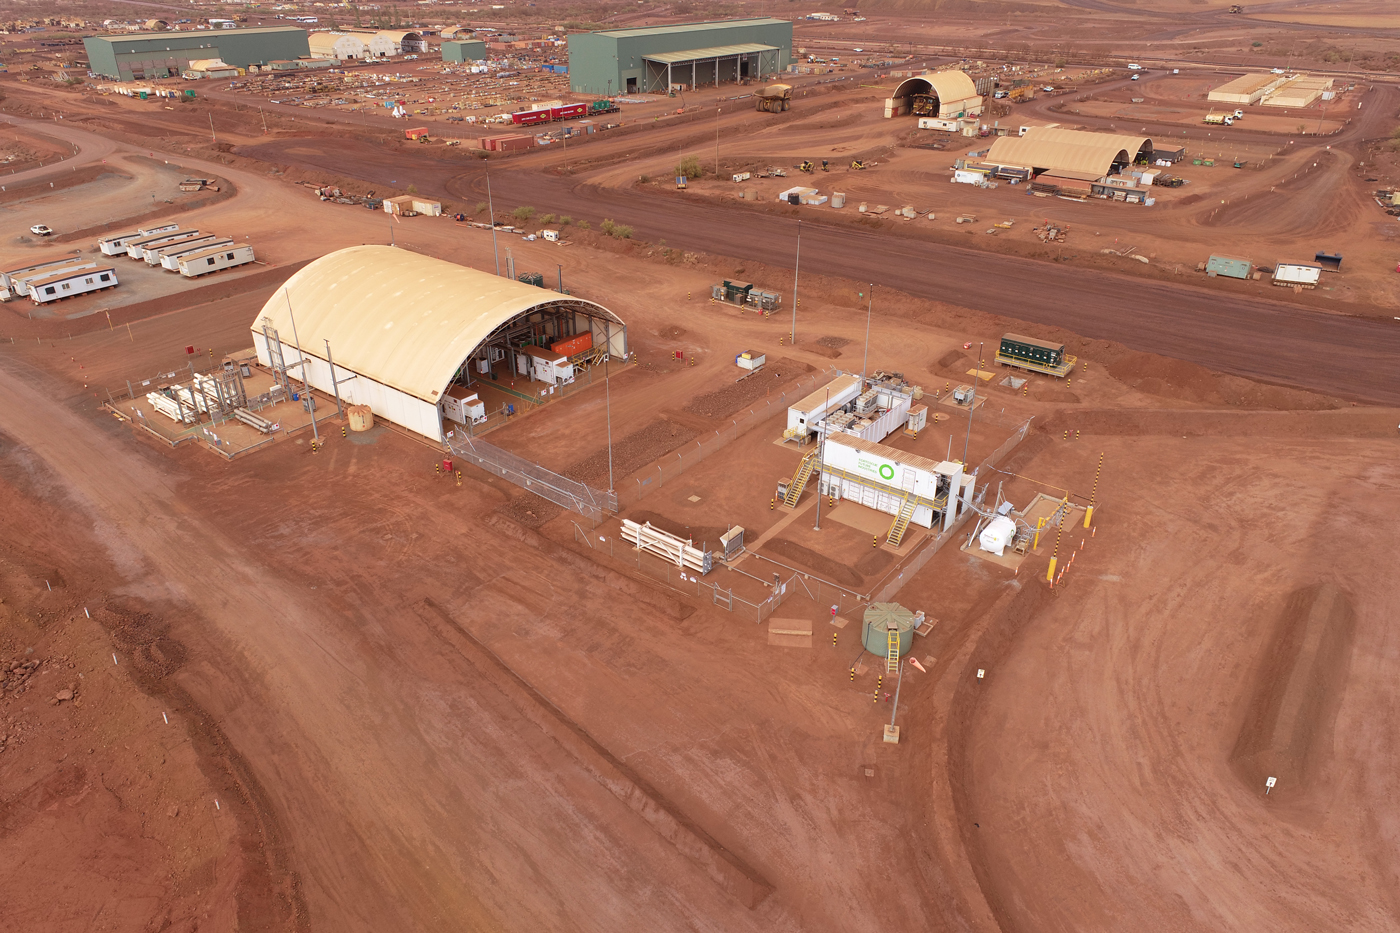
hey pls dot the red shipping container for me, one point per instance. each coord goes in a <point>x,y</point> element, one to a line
<point>531,117</point>
<point>568,111</point>
<point>574,345</point>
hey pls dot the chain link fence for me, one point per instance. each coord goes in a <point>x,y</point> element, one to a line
<point>591,503</point>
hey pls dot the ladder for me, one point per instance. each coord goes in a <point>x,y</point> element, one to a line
<point>799,480</point>
<point>891,650</point>
<point>901,521</point>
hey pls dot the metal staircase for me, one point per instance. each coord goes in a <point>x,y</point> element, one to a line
<point>799,480</point>
<point>891,650</point>
<point>901,521</point>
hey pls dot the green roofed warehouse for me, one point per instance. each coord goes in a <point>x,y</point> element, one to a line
<point>143,55</point>
<point>653,59</point>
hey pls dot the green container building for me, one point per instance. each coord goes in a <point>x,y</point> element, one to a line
<point>144,55</point>
<point>652,59</point>
<point>464,50</point>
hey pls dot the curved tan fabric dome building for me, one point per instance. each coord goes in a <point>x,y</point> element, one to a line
<point>943,94</point>
<point>408,327</point>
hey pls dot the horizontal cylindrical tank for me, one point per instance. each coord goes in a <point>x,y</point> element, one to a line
<point>879,619</point>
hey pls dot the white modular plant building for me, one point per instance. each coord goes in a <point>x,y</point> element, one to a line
<point>404,328</point>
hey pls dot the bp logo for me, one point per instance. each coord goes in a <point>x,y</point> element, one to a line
<point>886,471</point>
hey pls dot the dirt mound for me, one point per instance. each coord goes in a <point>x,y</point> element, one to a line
<point>953,359</point>
<point>1298,688</point>
<point>671,332</point>
<point>804,557</point>
<point>629,454</point>
<point>828,352</point>
<point>1160,375</point>
<point>702,535</point>
<point>874,562</point>
<point>834,343</point>
<point>722,403</point>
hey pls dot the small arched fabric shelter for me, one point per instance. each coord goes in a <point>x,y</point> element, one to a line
<point>1048,148</point>
<point>402,328</point>
<point>942,94</point>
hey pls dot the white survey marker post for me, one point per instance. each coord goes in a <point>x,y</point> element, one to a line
<point>981,673</point>
<point>1269,785</point>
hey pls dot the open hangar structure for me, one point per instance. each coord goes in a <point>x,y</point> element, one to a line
<point>1053,152</point>
<point>946,95</point>
<point>404,329</point>
<point>654,58</point>
<point>143,55</point>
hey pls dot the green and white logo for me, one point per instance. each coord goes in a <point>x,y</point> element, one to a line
<point>886,471</point>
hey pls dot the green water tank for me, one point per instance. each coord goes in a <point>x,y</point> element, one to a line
<point>879,619</point>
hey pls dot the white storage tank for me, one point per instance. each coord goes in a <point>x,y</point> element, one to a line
<point>998,534</point>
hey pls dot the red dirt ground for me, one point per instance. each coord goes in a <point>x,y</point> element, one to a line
<point>418,714</point>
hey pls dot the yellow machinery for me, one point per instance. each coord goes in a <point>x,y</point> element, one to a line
<point>806,166</point>
<point>858,165</point>
<point>775,98</point>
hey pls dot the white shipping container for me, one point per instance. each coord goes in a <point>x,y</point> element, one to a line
<point>968,178</point>
<point>205,261</point>
<point>427,208</point>
<point>544,365</point>
<point>1296,273</point>
<point>750,359</point>
<point>879,477</point>
<point>463,406</point>
<point>804,415</point>
<point>69,284</point>
<point>10,277</point>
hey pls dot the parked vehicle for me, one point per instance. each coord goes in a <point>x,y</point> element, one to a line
<point>41,230</point>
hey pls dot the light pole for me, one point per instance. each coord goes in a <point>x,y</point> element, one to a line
<point>607,396</point>
<point>306,383</point>
<point>865,363</point>
<point>797,265</point>
<point>821,459</point>
<point>716,141</point>
<point>972,404</point>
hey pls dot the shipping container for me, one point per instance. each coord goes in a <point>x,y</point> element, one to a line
<point>416,132</point>
<point>71,283</point>
<point>1040,356</point>
<point>135,249</point>
<point>573,346</point>
<point>170,256</point>
<point>568,112</point>
<point>206,261</point>
<point>531,117</point>
<point>1300,274</point>
<point>1232,268</point>
<point>804,415</point>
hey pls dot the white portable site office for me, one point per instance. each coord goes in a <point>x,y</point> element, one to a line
<point>136,248</point>
<point>9,277</point>
<point>212,260</point>
<point>544,364</point>
<point>169,258</point>
<point>804,415</point>
<point>23,285</point>
<point>152,253</point>
<point>116,245</point>
<point>883,478</point>
<point>68,284</point>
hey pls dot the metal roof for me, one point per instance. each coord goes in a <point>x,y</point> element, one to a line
<point>719,51</point>
<point>1054,148</point>
<point>823,394</point>
<point>881,450</point>
<point>692,27</point>
<point>949,86</point>
<point>1247,83</point>
<point>404,320</point>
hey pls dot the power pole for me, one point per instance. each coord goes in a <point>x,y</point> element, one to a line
<point>797,264</point>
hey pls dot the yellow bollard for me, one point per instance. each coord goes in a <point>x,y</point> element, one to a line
<point>1088,516</point>
<point>1050,574</point>
<point>1039,524</point>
